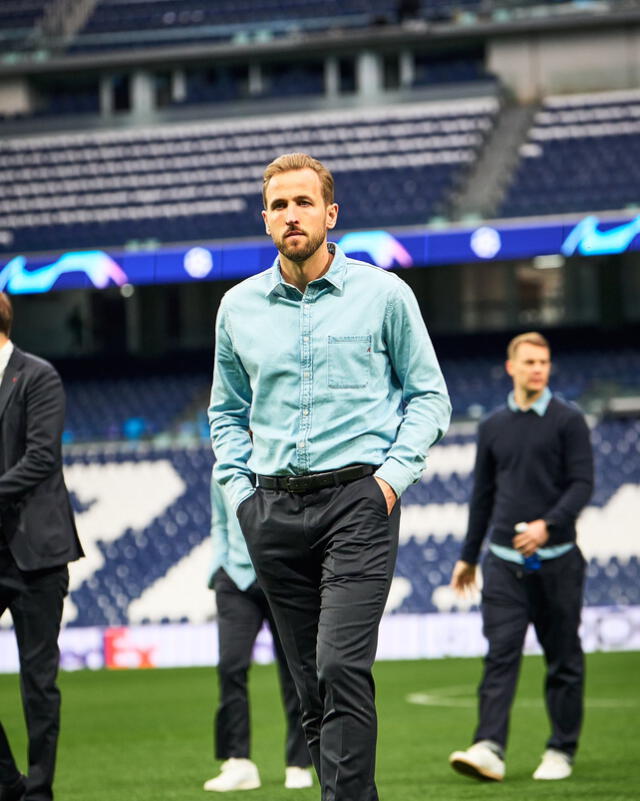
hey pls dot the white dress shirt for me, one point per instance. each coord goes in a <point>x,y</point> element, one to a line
<point>5,354</point>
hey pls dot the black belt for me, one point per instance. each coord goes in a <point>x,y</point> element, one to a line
<point>314,481</point>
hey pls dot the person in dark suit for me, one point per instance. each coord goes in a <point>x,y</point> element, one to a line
<point>37,539</point>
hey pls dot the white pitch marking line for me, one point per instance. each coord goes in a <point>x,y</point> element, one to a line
<point>453,697</point>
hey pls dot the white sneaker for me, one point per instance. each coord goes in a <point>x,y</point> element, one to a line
<point>554,765</point>
<point>235,774</point>
<point>297,778</point>
<point>479,762</point>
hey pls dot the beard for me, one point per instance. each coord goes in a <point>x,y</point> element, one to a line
<point>302,252</point>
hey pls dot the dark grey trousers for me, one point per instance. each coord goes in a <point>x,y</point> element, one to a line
<point>35,601</point>
<point>325,560</point>
<point>241,614</point>
<point>551,599</point>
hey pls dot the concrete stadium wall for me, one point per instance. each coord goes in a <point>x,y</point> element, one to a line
<point>533,65</point>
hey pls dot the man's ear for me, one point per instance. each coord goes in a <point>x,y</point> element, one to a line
<point>332,215</point>
<point>508,366</point>
<point>266,224</point>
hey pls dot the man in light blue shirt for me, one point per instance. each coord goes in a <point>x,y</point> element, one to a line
<point>242,609</point>
<point>327,361</point>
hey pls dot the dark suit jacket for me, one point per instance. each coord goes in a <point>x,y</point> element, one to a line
<point>36,517</point>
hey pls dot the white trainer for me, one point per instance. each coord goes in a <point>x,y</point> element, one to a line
<point>235,774</point>
<point>554,765</point>
<point>479,762</point>
<point>297,778</point>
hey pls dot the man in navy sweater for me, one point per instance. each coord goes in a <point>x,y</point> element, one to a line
<point>533,475</point>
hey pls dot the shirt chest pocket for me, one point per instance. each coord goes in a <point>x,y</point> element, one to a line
<point>349,360</point>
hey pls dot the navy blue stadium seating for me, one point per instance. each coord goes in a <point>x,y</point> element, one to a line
<point>162,22</point>
<point>394,165</point>
<point>103,410</point>
<point>137,558</point>
<point>134,409</point>
<point>582,154</point>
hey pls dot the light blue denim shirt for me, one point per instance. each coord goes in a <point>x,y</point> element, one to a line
<point>342,374</point>
<point>229,548</point>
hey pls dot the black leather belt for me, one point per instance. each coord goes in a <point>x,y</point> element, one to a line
<point>314,481</point>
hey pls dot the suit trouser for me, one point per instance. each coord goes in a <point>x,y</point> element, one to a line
<point>241,614</point>
<point>325,560</point>
<point>35,600</point>
<point>551,599</point>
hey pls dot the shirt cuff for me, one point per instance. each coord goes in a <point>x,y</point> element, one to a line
<point>397,476</point>
<point>238,490</point>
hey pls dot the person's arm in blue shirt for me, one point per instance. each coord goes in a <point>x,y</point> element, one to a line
<point>427,409</point>
<point>219,530</point>
<point>229,416</point>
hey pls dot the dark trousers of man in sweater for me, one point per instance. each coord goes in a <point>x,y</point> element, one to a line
<point>551,599</point>
<point>241,614</point>
<point>325,560</point>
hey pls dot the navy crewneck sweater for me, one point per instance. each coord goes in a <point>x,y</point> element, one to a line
<point>527,468</point>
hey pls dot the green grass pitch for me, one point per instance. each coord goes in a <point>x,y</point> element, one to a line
<point>146,735</point>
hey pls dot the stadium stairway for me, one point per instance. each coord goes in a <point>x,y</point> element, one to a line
<point>492,171</point>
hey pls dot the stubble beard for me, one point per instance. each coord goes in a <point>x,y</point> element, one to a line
<point>300,254</point>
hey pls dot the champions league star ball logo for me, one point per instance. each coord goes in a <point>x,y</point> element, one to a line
<point>198,262</point>
<point>485,242</point>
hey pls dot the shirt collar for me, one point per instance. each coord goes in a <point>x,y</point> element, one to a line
<point>5,354</point>
<point>539,407</point>
<point>335,275</point>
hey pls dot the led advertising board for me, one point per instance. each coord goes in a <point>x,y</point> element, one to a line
<point>587,236</point>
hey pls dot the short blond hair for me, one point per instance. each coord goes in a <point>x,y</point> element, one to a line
<point>531,337</point>
<point>299,161</point>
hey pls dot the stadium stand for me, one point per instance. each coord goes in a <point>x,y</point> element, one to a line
<point>17,21</point>
<point>127,557</point>
<point>162,22</point>
<point>191,181</point>
<point>581,154</point>
<point>137,457</point>
<point>128,409</point>
<point>142,503</point>
<point>103,410</point>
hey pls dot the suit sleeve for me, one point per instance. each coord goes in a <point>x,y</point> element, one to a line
<point>44,414</point>
<point>482,497</point>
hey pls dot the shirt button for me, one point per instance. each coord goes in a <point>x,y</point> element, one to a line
<point>306,374</point>
<point>301,444</point>
<point>305,339</point>
<point>305,412</point>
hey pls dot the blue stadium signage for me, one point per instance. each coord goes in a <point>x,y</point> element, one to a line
<point>388,249</point>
